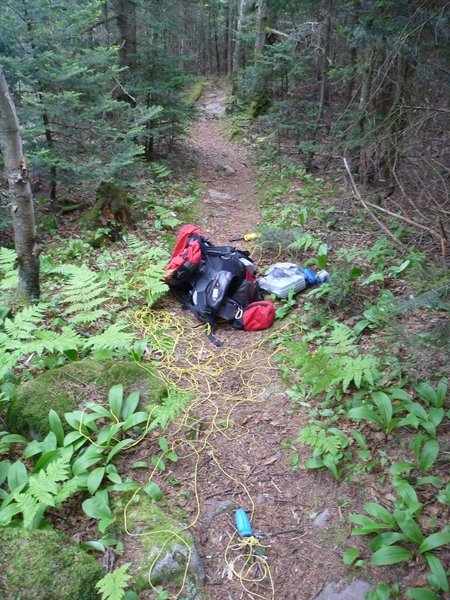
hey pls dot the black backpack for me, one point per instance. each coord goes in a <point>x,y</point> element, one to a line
<point>214,282</point>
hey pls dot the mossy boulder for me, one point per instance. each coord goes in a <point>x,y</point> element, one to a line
<point>44,565</point>
<point>162,548</point>
<point>69,387</point>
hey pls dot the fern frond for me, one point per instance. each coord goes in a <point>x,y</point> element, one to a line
<point>112,585</point>
<point>343,338</point>
<point>161,171</point>
<point>321,441</point>
<point>113,338</point>
<point>88,317</point>
<point>48,341</point>
<point>25,322</point>
<point>170,408</point>
<point>361,369</point>
<point>7,259</point>
<point>28,507</point>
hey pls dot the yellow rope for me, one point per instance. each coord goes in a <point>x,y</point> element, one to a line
<point>185,358</point>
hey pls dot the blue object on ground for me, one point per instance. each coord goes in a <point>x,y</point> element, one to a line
<point>243,524</point>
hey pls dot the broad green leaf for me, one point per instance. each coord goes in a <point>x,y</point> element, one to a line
<point>391,555</point>
<point>350,555</point>
<point>406,492</point>
<point>409,526</point>
<point>401,467</point>
<point>158,462</point>
<point>114,477</point>
<point>118,447</point>
<point>384,406</point>
<point>115,398</point>
<point>314,463</point>
<point>425,391</point>
<point>153,490</point>
<point>72,437</point>
<point>17,475</point>
<point>4,468</point>
<point>139,464</point>
<point>130,405</point>
<point>386,539</point>
<point>163,444</point>
<point>56,426</point>
<point>95,545</point>
<point>135,419</point>
<point>85,461</point>
<point>364,413</point>
<point>421,594</point>
<point>99,409</point>
<point>96,507</point>
<point>398,394</point>
<point>95,478</point>
<point>435,540</point>
<point>380,513</point>
<point>428,455</point>
<point>14,438</point>
<point>366,525</point>
<point>436,568</point>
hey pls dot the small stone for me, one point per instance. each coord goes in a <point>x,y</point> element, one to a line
<point>355,591</point>
<point>216,195</point>
<point>171,563</point>
<point>321,519</point>
<point>225,170</point>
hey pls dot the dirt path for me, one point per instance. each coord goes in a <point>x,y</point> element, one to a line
<point>297,514</point>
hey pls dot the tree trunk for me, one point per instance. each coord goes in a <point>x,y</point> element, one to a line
<point>266,20</point>
<point>126,22</point>
<point>237,58</point>
<point>230,38</point>
<point>324,84</point>
<point>21,198</point>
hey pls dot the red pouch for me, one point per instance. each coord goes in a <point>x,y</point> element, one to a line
<point>258,315</point>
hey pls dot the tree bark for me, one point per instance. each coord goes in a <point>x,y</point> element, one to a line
<point>237,58</point>
<point>126,22</point>
<point>265,21</point>
<point>21,198</point>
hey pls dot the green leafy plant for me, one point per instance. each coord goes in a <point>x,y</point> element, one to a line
<point>380,410</point>
<point>327,445</point>
<point>112,586</point>
<point>334,365</point>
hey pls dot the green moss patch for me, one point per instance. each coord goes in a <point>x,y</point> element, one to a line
<point>161,547</point>
<point>71,386</point>
<point>44,565</point>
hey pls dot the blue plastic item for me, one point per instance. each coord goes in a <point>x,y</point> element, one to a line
<point>243,524</point>
<point>310,276</point>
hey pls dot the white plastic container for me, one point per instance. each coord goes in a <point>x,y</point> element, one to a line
<point>281,277</point>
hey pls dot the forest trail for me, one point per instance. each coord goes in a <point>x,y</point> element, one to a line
<point>244,417</point>
<point>230,207</point>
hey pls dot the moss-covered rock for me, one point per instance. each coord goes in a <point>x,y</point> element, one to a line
<point>69,387</point>
<point>44,565</point>
<point>162,548</point>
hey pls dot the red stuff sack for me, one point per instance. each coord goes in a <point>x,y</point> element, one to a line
<point>186,256</point>
<point>257,315</point>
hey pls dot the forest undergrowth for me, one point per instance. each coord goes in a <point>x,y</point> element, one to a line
<point>363,361</point>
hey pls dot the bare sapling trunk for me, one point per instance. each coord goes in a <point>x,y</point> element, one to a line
<point>21,199</point>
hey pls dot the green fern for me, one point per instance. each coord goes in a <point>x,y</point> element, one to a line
<point>161,171</point>
<point>113,338</point>
<point>112,586</point>
<point>321,441</point>
<point>7,268</point>
<point>25,322</point>
<point>7,260</point>
<point>335,364</point>
<point>48,487</point>
<point>84,294</point>
<point>170,408</point>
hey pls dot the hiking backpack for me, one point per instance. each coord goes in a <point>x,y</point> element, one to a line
<point>216,283</point>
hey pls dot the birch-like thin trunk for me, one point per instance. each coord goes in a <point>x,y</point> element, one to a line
<point>21,198</point>
<point>237,58</point>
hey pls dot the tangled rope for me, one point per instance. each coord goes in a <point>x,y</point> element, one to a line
<point>185,358</point>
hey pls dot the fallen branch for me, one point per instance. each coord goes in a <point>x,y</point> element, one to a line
<point>375,218</point>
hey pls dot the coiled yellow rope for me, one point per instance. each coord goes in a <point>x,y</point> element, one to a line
<point>185,357</point>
